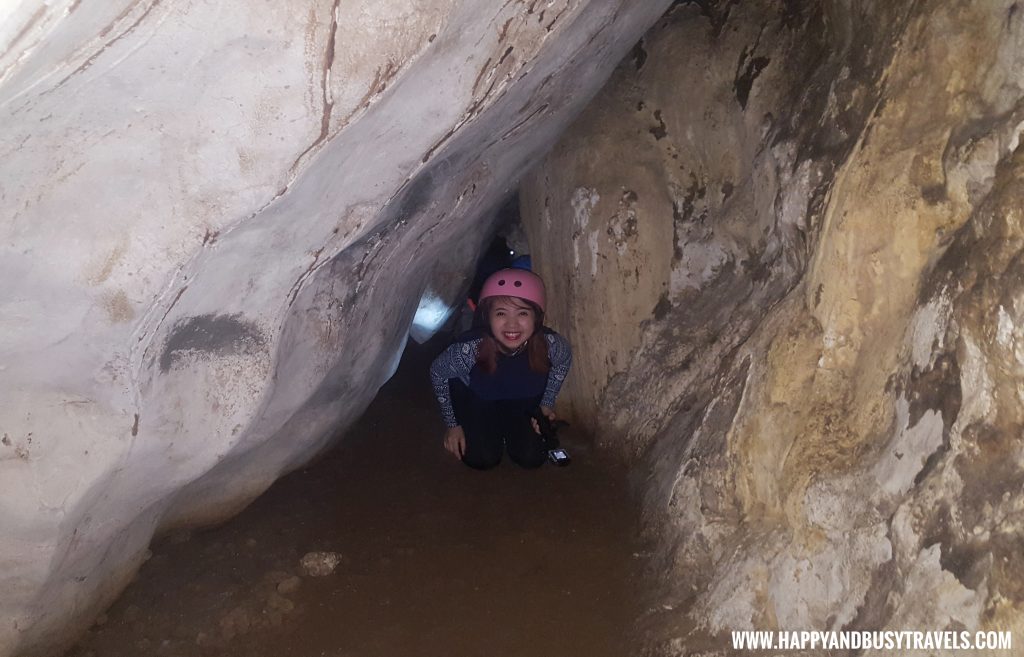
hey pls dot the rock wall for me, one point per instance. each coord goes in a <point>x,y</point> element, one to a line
<point>784,242</point>
<point>218,220</point>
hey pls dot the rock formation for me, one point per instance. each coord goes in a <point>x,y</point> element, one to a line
<point>785,241</point>
<point>219,218</point>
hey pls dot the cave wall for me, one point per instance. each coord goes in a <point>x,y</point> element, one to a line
<point>218,220</point>
<point>784,241</point>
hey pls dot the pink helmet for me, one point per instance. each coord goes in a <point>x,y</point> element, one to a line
<point>518,283</point>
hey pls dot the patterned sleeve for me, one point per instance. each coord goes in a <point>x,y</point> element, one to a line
<point>560,355</point>
<point>455,362</point>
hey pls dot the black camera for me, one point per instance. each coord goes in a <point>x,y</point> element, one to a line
<point>549,434</point>
<point>559,456</point>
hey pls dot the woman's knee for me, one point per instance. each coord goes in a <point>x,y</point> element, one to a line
<point>483,449</point>
<point>482,461</point>
<point>528,453</point>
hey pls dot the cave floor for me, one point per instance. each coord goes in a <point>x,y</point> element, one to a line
<point>436,559</point>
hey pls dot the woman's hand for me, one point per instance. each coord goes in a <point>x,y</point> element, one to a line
<point>455,441</point>
<point>549,413</point>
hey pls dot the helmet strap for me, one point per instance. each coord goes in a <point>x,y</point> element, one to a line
<point>501,348</point>
<point>519,349</point>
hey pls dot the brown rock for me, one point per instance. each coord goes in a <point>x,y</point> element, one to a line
<point>280,603</point>
<point>289,585</point>
<point>320,564</point>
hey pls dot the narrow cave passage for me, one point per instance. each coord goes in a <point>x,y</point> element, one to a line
<point>435,558</point>
<point>784,239</point>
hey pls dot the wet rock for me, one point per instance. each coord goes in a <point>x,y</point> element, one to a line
<point>290,585</point>
<point>280,603</point>
<point>320,564</point>
<point>235,623</point>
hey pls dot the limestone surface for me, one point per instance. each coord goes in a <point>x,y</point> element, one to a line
<point>218,220</point>
<point>784,242</point>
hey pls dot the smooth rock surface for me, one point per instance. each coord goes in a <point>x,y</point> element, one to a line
<point>784,241</point>
<point>218,220</point>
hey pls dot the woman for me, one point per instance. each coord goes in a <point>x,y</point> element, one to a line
<point>493,378</point>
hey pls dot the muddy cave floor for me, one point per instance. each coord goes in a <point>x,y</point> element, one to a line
<point>436,559</point>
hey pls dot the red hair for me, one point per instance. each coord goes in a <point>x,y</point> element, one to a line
<point>536,346</point>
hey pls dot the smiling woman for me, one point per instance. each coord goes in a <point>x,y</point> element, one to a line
<point>511,321</point>
<point>492,379</point>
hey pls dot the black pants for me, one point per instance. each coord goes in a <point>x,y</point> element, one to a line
<point>493,426</point>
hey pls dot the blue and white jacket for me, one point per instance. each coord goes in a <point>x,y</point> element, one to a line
<point>513,378</point>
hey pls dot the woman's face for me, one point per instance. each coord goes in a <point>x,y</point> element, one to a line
<point>511,322</point>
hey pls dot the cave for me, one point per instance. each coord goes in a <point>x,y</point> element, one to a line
<point>783,238</point>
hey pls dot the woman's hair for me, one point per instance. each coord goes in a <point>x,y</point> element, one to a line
<point>536,348</point>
